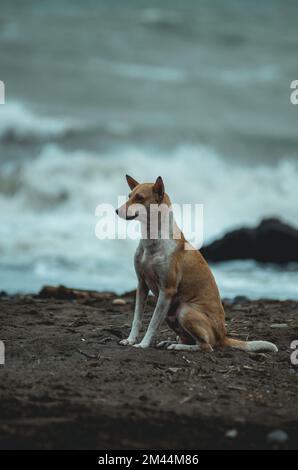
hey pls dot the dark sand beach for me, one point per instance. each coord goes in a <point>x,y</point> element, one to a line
<point>67,383</point>
<point>205,95</point>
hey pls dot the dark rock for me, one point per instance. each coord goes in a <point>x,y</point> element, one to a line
<point>66,293</point>
<point>272,241</point>
<point>240,299</point>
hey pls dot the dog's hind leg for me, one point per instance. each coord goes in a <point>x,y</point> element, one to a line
<point>183,337</point>
<point>184,347</point>
<point>180,342</point>
<point>166,344</point>
<point>197,325</point>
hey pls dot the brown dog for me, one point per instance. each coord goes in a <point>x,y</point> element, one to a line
<point>180,278</point>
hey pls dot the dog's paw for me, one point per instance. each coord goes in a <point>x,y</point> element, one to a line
<point>165,344</point>
<point>127,342</point>
<point>141,345</point>
<point>172,346</point>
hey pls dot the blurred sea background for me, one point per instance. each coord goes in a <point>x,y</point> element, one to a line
<point>195,91</point>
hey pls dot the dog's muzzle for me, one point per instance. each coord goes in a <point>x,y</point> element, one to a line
<point>132,217</point>
<point>128,217</point>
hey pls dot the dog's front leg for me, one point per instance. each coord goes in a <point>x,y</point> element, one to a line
<point>160,312</point>
<point>141,297</point>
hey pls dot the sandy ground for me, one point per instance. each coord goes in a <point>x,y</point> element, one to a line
<point>67,383</point>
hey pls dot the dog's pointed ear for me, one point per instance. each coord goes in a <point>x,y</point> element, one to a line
<point>132,183</point>
<point>159,188</point>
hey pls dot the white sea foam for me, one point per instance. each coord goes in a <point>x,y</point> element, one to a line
<point>158,17</point>
<point>18,122</point>
<point>141,71</point>
<point>47,225</point>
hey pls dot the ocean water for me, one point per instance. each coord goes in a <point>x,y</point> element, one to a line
<point>196,93</point>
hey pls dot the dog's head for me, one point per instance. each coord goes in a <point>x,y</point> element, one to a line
<point>141,197</point>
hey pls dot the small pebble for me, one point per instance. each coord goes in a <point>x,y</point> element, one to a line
<point>119,302</point>
<point>231,433</point>
<point>279,325</point>
<point>277,437</point>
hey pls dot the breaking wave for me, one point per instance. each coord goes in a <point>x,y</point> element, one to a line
<point>20,124</point>
<point>47,208</point>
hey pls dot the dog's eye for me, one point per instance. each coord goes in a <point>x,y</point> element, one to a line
<point>139,198</point>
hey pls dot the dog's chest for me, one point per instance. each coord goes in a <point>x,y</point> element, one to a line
<point>154,264</point>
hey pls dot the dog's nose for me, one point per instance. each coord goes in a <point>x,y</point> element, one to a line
<point>116,211</point>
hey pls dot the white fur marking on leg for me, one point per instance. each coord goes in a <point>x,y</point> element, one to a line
<point>184,347</point>
<point>127,342</point>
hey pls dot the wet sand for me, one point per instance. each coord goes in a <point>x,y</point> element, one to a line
<point>67,383</point>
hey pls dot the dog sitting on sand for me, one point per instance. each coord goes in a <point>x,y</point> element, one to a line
<point>178,275</point>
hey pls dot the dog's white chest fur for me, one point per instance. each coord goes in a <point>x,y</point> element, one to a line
<point>152,261</point>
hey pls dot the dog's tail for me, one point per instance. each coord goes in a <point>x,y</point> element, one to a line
<point>250,346</point>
